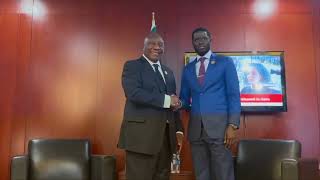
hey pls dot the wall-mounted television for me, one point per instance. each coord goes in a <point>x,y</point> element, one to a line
<point>262,79</point>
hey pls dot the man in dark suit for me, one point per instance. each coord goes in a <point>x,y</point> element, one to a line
<point>150,129</point>
<point>210,88</point>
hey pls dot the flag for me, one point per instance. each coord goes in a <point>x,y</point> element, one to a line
<point>153,25</point>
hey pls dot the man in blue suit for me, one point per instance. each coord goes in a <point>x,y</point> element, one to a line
<point>210,89</point>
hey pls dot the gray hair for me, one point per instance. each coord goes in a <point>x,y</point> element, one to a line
<point>150,36</point>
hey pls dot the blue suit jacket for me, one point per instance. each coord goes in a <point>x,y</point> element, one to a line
<point>217,103</point>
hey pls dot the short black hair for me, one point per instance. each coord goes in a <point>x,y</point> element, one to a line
<point>201,29</point>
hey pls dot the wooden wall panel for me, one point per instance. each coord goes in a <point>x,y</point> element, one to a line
<point>207,8</point>
<point>70,7</point>
<point>63,75</point>
<point>61,66</point>
<point>8,42</point>
<point>316,43</point>
<point>21,97</point>
<point>11,6</point>
<point>287,31</point>
<point>284,6</point>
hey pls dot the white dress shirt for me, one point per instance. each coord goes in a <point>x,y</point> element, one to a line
<point>206,61</point>
<point>167,98</point>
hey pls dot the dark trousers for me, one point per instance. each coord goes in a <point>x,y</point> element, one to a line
<point>211,159</point>
<point>150,167</point>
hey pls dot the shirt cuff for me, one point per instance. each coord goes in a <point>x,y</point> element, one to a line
<point>179,132</point>
<point>167,101</point>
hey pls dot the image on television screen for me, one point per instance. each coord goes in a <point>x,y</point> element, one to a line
<point>261,79</point>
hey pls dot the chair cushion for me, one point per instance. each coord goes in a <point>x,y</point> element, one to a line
<point>59,159</point>
<point>261,159</point>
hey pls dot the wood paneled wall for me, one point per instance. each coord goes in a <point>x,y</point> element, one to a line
<point>61,63</point>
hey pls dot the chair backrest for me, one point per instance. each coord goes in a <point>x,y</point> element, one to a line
<point>260,159</point>
<point>59,159</point>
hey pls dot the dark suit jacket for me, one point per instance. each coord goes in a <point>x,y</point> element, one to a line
<point>144,119</point>
<point>217,102</point>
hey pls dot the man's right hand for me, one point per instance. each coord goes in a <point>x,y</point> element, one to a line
<point>175,102</point>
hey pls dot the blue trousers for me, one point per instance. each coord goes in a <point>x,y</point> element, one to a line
<point>211,159</point>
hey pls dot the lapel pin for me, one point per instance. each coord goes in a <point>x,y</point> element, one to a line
<point>165,72</point>
<point>213,62</point>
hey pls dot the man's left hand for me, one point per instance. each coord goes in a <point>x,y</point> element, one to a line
<point>230,136</point>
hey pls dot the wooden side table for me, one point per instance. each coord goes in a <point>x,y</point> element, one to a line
<point>183,175</point>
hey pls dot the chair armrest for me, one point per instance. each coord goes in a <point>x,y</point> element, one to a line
<point>308,169</point>
<point>103,167</point>
<point>19,167</point>
<point>289,169</point>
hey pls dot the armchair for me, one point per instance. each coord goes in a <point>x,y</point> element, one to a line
<point>273,160</point>
<point>61,159</point>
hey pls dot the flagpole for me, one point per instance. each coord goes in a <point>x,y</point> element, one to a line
<point>153,16</point>
<point>153,25</point>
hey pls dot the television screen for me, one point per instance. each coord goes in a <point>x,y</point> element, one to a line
<point>261,79</point>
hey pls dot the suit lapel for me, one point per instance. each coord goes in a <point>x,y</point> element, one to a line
<point>167,76</point>
<point>194,77</point>
<point>150,73</point>
<point>210,70</point>
<point>165,73</point>
<point>147,68</point>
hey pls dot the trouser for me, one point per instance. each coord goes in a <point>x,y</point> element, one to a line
<point>150,167</point>
<point>211,159</point>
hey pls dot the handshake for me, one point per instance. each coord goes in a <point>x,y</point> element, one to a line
<point>175,103</point>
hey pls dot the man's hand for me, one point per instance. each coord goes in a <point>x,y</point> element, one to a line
<point>174,100</point>
<point>175,103</point>
<point>230,136</point>
<point>179,141</point>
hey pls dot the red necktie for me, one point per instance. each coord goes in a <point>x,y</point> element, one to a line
<point>202,71</point>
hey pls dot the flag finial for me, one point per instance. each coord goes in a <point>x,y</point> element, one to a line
<point>153,25</point>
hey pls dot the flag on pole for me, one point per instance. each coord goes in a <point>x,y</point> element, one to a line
<point>153,25</point>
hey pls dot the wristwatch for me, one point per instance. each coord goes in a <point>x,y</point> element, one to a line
<point>234,126</point>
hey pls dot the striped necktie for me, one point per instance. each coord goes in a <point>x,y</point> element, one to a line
<point>202,71</point>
